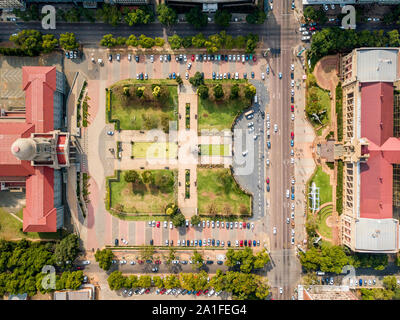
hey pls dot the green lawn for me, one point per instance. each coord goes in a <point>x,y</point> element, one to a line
<point>214,149</point>
<point>11,228</point>
<point>219,114</point>
<point>322,98</point>
<point>321,180</point>
<point>323,229</point>
<point>144,197</point>
<point>155,150</point>
<point>218,192</point>
<point>147,112</point>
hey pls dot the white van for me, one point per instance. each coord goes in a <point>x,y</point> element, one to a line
<point>255,99</point>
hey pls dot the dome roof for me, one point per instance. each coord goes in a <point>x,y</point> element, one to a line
<point>24,149</point>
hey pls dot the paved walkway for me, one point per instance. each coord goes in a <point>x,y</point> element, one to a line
<point>187,150</point>
<point>305,165</point>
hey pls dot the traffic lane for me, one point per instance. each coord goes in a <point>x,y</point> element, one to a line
<point>92,33</point>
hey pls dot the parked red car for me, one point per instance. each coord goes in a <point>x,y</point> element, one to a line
<point>140,261</point>
<point>205,291</point>
<point>199,293</point>
<point>312,29</point>
<point>292,134</point>
<point>157,262</point>
<point>249,242</point>
<point>254,58</point>
<point>192,57</point>
<point>244,225</point>
<point>158,224</point>
<point>292,108</point>
<point>241,243</point>
<point>163,291</point>
<point>147,291</point>
<point>267,180</point>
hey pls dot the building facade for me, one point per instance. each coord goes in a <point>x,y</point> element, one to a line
<point>34,151</point>
<point>371,150</point>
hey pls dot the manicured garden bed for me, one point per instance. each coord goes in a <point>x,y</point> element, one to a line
<point>219,194</point>
<point>219,114</point>
<point>154,150</point>
<point>146,112</point>
<point>145,196</point>
<point>214,150</point>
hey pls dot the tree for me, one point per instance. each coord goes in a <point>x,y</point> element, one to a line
<point>234,91</point>
<point>196,18</point>
<point>104,258</point>
<point>195,220</point>
<point>390,283</point>
<point>116,280</point>
<point>158,282</point>
<point>132,41</point>
<point>394,40</point>
<point>140,91</point>
<point>179,80</point>
<point>197,260</point>
<point>131,281</point>
<point>156,91</point>
<point>146,42</point>
<point>147,252</point>
<point>197,79</point>
<point>249,91</point>
<point>67,249</point>
<point>166,15</point>
<point>171,281</point>
<point>198,40</point>
<point>171,209</point>
<point>326,259</point>
<point>202,91</point>
<point>132,176</point>
<point>218,91</point>
<point>30,41</point>
<point>159,42</point>
<point>311,14</point>
<point>141,15</point>
<point>68,41</point>
<point>246,260</point>
<point>223,18</point>
<point>109,14</point>
<point>144,281</point>
<point>175,41</point>
<point>121,41</point>
<point>108,41</point>
<point>148,177</point>
<point>126,91</point>
<point>49,43</point>
<point>256,17</point>
<point>187,41</point>
<point>178,220</point>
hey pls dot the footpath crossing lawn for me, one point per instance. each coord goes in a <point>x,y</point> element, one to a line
<point>214,150</point>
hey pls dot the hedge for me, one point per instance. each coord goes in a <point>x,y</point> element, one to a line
<point>339,187</point>
<point>339,111</point>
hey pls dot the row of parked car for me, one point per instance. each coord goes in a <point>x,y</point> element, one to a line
<point>183,292</point>
<point>212,242</point>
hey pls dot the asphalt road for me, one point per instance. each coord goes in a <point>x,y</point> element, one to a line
<point>286,269</point>
<point>88,33</point>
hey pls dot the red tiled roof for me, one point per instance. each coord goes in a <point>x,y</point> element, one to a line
<point>40,214</point>
<point>39,84</point>
<point>384,150</point>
